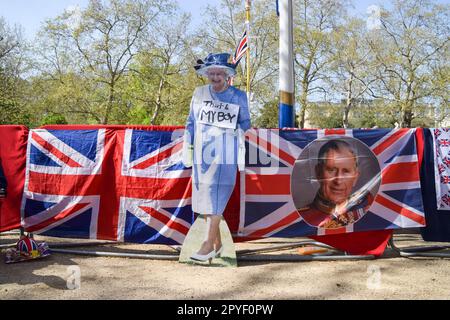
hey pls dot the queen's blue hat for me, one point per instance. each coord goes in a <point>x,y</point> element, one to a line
<point>216,60</point>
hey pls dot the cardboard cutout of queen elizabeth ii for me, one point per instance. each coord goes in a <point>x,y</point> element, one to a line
<point>214,138</point>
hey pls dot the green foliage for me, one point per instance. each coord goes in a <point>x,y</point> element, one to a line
<point>54,119</point>
<point>138,115</point>
<point>10,113</point>
<point>374,114</point>
<point>324,115</point>
<point>267,116</point>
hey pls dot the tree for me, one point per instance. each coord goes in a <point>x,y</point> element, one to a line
<point>373,113</point>
<point>352,68</point>
<point>441,93</point>
<point>407,48</point>
<point>102,40</point>
<point>227,25</point>
<point>325,115</point>
<point>267,117</point>
<point>312,46</point>
<point>54,119</point>
<point>12,86</point>
<point>159,79</point>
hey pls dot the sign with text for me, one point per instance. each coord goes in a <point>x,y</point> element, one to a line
<point>219,114</point>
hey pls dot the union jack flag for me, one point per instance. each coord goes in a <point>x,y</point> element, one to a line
<point>270,210</point>
<point>437,132</point>
<point>446,199</point>
<point>440,131</point>
<point>241,48</point>
<point>444,142</point>
<point>441,140</point>
<point>123,185</point>
<point>446,161</point>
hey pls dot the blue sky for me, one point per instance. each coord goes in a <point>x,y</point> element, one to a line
<point>31,13</point>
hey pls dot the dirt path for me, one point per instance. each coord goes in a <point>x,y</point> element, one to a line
<point>123,278</point>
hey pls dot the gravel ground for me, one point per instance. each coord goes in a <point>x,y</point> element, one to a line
<point>389,277</point>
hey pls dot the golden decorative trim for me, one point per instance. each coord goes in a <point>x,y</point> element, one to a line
<point>287,98</point>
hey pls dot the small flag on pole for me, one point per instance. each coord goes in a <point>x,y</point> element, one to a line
<point>241,48</point>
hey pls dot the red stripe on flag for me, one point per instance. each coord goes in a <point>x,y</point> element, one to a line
<point>335,231</point>
<point>131,187</point>
<point>329,132</point>
<point>389,141</point>
<point>160,156</point>
<point>420,143</point>
<point>271,148</point>
<point>401,210</point>
<point>165,220</point>
<point>400,172</point>
<point>267,184</point>
<point>241,48</point>
<point>243,42</point>
<point>58,217</point>
<point>283,222</point>
<point>50,148</point>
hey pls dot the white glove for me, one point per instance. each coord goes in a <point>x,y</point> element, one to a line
<point>241,150</point>
<point>188,154</point>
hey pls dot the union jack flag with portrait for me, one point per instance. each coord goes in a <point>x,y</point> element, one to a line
<point>270,209</point>
<point>112,184</point>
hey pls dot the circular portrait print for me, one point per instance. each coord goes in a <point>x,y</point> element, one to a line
<point>334,181</point>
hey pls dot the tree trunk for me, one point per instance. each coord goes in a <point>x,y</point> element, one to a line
<point>110,102</point>
<point>407,115</point>
<point>407,108</point>
<point>158,101</point>
<point>303,105</point>
<point>348,102</point>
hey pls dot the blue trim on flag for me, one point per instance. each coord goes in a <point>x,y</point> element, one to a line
<point>407,149</point>
<point>371,222</point>
<point>78,227</point>
<point>176,167</point>
<point>84,141</point>
<point>301,138</point>
<point>33,207</point>
<point>184,213</point>
<point>263,159</point>
<point>410,197</point>
<point>258,210</point>
<point>145,142</point>
<point>298,229</point>
<point>370,137</point>
<point>138,232</point>
<point>39,158</point>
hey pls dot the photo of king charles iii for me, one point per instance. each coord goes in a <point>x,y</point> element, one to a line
<point>336,204</point>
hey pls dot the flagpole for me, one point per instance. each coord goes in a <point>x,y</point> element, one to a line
<point>247,63</point>
<point>287,88</point>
